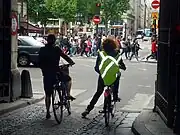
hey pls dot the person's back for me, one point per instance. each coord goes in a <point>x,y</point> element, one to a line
<point>49,58</point>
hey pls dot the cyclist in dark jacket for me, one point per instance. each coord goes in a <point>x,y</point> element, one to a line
<point>49,58</point>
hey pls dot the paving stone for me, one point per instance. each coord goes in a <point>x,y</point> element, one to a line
<point>31,121</point>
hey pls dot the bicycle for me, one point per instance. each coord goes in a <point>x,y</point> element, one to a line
<point>60,89</point>
<point>109,105</point>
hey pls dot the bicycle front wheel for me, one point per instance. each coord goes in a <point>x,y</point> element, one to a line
<point>67,102</point>
<point>57,105</point>
<point>107,110</point>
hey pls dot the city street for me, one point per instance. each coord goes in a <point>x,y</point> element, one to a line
<point>136,91</point>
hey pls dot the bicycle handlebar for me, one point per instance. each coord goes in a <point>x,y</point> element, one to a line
<point>64,66</point>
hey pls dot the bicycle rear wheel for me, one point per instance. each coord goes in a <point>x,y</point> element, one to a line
<point>107,110</point>
<point>57,105</point>
<point>67,102</point>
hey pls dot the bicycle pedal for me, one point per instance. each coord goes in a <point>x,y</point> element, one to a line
<point>102,111</point>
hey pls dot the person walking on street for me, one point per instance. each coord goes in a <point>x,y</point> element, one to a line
<point>124,48</point>
<point>84,45</point>
<point>134,49</point>
<point>153,50</point>
<point>94,46</point>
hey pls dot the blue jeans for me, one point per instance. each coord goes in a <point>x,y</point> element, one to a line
<point>94,51</point>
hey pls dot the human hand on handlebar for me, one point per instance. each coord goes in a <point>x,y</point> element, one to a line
<point>72,63</point>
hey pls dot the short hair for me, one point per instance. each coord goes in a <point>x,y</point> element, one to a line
<point>109,45</point>
<point>51,38</point>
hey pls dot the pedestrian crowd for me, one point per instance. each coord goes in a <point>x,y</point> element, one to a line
<point>88,46</point>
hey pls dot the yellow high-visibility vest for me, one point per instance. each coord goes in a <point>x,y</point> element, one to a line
<point>109,68</point>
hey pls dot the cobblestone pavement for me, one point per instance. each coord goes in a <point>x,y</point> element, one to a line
<point>31,121</point>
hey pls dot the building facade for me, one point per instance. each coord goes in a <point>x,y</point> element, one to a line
<point>143,11</point>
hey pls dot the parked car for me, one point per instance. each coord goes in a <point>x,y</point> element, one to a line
<point>147,35</point>
<point>28,49</point>
<point>41,39</point>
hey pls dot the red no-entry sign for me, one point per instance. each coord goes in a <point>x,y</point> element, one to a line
<point>14,24</point>
<point>155,4</point>
<point>96,19</point>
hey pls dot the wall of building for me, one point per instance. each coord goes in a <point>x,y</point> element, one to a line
<point>16,79</point>
<point>143,11</point>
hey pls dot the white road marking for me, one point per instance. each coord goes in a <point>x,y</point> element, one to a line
<point>121,78</point>
<point>86,65</point>
<point>71,72</point>
<point>99,103</point>
<point>76,92</point>
<point>137,104</point>
<point>36,79</point>
<point>146,86</point>
<point>143,69</point>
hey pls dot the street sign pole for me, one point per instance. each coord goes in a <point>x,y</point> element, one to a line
<point>155,25</point>
<point>96,28</point>
<point>98,9</point>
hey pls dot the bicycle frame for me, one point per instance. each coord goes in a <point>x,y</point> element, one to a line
<point>108,106</point>
<point>60,88</point>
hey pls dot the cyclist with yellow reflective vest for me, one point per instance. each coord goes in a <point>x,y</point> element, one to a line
<point>108,65</point>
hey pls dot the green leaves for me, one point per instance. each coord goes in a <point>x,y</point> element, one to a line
<point>65,9</point>
<point>38,11</point>
<point>41,10</point>
<point>114,8</point>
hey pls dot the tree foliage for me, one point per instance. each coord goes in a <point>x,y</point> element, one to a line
<point>38,12</point>
<point>68,9</point>
<point>65,9</point>
<point>114,8</point>
<point>111,9</point>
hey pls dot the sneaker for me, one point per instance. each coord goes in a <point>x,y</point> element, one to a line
<point>48,116</point>
<point>85,113</point>
<point>71,98</point>
<point>117,99</point>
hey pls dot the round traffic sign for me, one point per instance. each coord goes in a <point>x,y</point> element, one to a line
<point>14,24</point>
<point>155,4</point>
<point>96,19</point>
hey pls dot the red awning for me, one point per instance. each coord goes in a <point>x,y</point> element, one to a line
<point>30,27</point>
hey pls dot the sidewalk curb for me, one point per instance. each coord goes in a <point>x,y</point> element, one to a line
<point>138,126</point>
<point>133,129</point>
<point>21,105</point>
<point>149,61</point>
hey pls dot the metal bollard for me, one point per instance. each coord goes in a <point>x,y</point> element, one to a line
<point>26,85</point>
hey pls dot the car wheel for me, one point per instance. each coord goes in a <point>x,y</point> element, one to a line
<point>23,60</point>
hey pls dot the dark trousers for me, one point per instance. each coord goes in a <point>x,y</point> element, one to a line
<point>153,55</point>
<point>100,89</point>
<point>134,54</point>
<point>84,51</point>
<point>125,50</point>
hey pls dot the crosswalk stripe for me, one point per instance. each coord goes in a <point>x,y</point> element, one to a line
<point>99,103</point>
<point>76,92</point>
<point>137,104</point>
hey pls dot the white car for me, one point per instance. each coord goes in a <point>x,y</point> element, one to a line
<point>41,39</point>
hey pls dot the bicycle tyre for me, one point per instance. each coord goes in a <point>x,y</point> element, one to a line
<point>58,117</point>
<point>107,112</point>
<point>67,102</point>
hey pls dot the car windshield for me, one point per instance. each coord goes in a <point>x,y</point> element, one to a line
<point>31,41</point>
<point>148,33</point>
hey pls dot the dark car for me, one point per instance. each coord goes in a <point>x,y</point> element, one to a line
<point>28,49</point>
